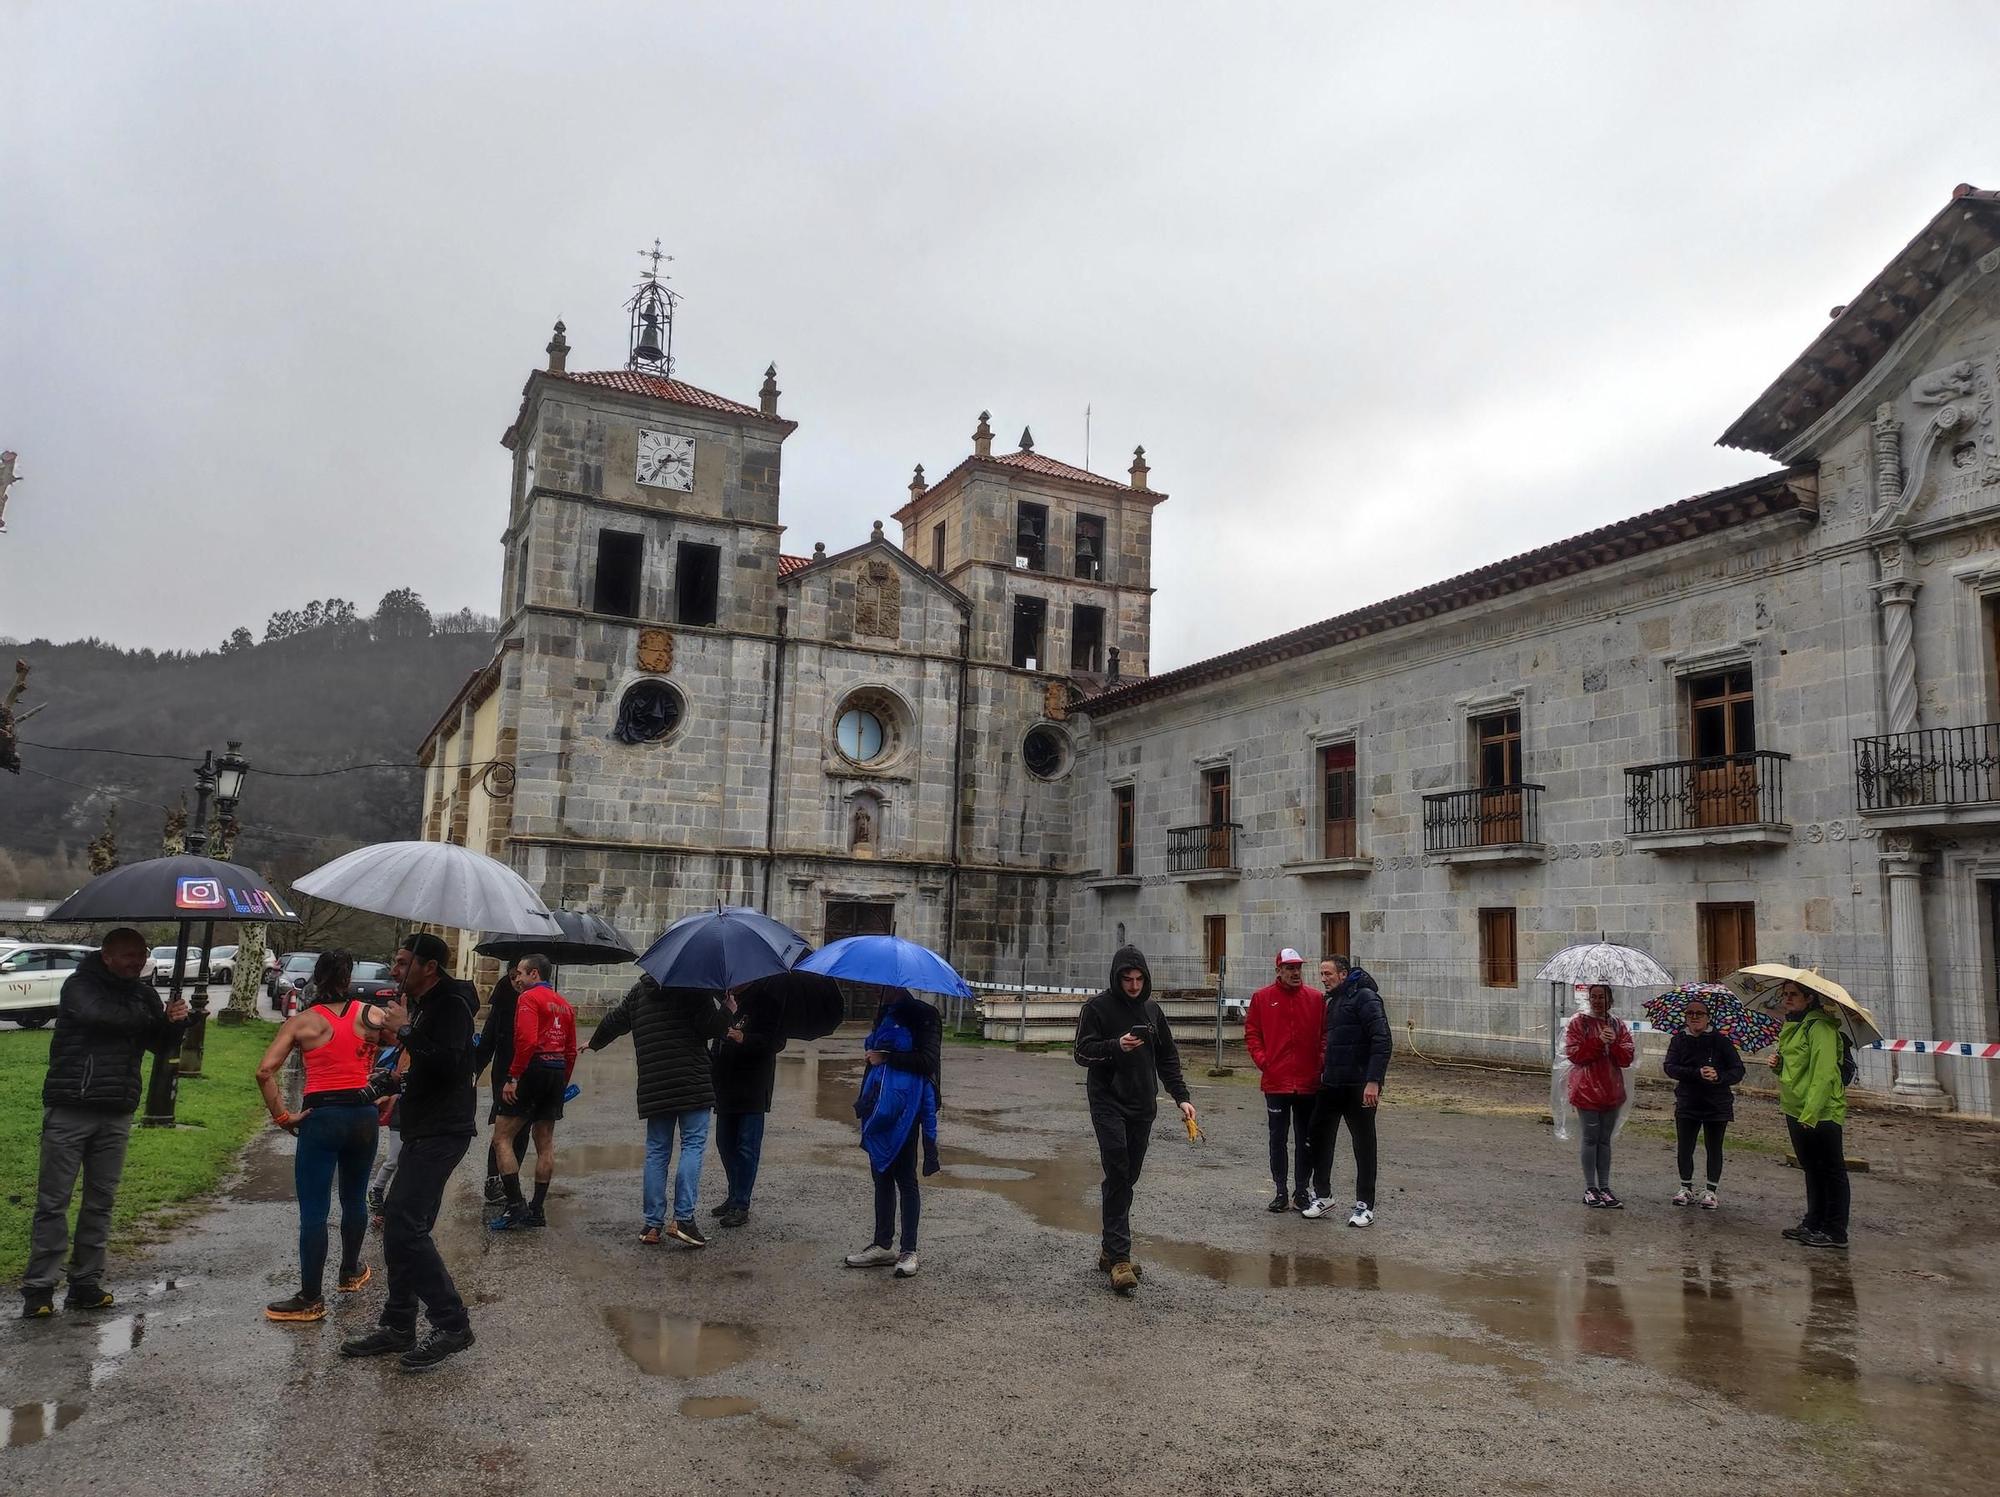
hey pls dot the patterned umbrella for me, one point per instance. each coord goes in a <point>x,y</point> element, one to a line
<point>1747,1031</point>
<point>1602,962</point>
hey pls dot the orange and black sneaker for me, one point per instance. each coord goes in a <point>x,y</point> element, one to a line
<point>298,1308</point>
<point>349,1282</point>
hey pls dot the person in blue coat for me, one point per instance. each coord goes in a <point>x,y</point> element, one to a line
<point>897,1106</point>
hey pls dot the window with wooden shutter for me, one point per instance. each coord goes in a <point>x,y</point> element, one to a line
<point>1727,938</point>
<point>1497,967</point>
<point>1337,801</point>
<point>1333,934</point>
<point>1124,859</point>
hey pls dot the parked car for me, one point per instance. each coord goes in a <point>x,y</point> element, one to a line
<point>289,978</point>
<point>370,982</point>
<point>31,979</point>
<point>161,967</point>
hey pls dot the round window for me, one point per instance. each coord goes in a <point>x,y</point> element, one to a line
<point>859,735</point>
<point>1046,752</point>
<point>648,712</point>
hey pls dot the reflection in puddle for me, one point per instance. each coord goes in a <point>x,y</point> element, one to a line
<point>678,1346</point>
<point>1466,1351</point>
<point>727,1406</point>
<point>1789,1349</point>
<point>117,1338</point>
<point>25,1423</point>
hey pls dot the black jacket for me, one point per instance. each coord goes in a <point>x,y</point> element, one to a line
<point>670,1029</point>
<point>1357,1034</point>
<point>438,1093</point>
<point>496,1036</point>
<point>1694,1099</point>
<point>105,1024</point>
<point>1128,1080</point>
<point>744,1070</point>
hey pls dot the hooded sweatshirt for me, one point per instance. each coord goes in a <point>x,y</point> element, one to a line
<point>1128,1081</point>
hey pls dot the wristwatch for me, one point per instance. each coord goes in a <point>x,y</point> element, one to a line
<point>403,1034</point>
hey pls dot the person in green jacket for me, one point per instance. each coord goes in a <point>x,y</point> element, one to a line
<point>1814,1100</point>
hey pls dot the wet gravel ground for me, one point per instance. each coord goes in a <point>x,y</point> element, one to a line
<point>1487,1334</point>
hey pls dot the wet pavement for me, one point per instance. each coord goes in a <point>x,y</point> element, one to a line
<point>1487,1334</point>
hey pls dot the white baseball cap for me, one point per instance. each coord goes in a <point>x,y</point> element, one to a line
<point>1289,957</point>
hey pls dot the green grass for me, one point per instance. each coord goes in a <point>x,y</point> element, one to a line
<point>164,1167</point>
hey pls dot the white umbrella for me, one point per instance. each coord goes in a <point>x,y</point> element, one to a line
<point>1603,962</point>
<point>433,883</point>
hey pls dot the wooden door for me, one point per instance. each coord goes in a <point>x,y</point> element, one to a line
<point>1499,752</point>
<point>1727,938</point>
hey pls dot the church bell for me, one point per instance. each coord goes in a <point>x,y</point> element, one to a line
<point>647,346</point>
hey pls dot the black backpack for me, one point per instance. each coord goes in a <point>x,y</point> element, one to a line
<point>1848,1069</point>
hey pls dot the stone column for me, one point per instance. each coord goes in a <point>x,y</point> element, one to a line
<point>1910,973</point>
<point>1896,597</point>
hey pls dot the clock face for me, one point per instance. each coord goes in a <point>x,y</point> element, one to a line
<point>666,461</point>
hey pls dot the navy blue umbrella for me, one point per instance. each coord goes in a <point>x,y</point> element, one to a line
<point>722,949</point>
<point>887,962</point>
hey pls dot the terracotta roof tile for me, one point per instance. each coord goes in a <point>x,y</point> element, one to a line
<point>1792,489</point>
<point>790,564</point>
<point>635,382</point>
<point>1049,467</point>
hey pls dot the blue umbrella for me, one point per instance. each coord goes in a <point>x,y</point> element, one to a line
<point>887,962</point>
<point>721,949</point>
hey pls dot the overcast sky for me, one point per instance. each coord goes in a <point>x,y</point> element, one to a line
<point>1386,291</point>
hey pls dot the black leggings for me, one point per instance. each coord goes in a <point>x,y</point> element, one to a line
<point>1711,1133</point>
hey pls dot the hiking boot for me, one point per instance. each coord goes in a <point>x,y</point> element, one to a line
<point>88,1297</point>
<point>1823,1240</point>
<point>736,1216</point>
<point>297,1308</point>
<point>871,1257</point>
<point>380,1342</point>
<point>906,1265</point>
<point>651,1236</point>
<point>687,1234</point>
<point>37,1304</point>
<point>435,1347</point>
<point>534,1216</point>
<point>1124,1277</point>
<point>349,1282</point>
<point>1105,1263</point>
<point>496,1191</point>
<point>1685,1196</point>
<point>1280,1204</point>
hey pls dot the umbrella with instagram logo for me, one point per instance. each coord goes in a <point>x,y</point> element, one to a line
<point>183,889</point>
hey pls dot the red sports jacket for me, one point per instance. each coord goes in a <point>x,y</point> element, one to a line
<point>544,1024</point>
<point>1285,1033</point>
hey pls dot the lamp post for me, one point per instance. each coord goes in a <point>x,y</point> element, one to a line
<point>220,780</point>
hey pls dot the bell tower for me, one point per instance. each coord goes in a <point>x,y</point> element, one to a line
<point>650,341</point>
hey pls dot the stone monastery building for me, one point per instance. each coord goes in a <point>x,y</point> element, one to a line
<point>1756,724</point>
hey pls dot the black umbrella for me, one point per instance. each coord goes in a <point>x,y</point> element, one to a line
<point>808,1007</point>
<point>186,888</point>
<point>586,940</point>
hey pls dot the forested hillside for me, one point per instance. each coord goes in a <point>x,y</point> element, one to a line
<point>326,689</point>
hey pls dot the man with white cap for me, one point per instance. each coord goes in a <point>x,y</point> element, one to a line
<point>1283,1031</point>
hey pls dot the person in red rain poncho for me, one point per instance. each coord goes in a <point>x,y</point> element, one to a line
<point>1598,1048</point>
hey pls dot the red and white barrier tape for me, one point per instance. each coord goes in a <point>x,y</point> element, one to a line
<point>1970,1049</point>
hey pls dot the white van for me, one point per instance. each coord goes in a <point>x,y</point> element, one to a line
<point>31,979</point>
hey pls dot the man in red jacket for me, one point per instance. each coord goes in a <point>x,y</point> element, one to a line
<point>1283,1033</point>
<point>531,1083</point>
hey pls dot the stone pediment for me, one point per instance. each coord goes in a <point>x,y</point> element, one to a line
<point>866,562</point>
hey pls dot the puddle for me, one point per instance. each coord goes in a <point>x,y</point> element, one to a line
<point>595,1159</point>
<point>666,1345</point>
<point>1466,1351</point>
<point>1790,1347</point>
<point>727,1406</point>
<point>267,1175</point>
<point>25,1423</point>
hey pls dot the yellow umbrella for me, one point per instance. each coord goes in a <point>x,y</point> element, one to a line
<point>1758,986</point>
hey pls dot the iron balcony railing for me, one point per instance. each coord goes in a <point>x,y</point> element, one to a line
<point>1193,848</point>
<point>1687,795</point>
<point>1498,816</point>
<point>1928,767</point>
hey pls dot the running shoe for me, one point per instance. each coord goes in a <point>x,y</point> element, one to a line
<point>1796,1234</point>
<point>651,1237</point>
<point>735,1216</point>
<point>1281,1204</point>
<point>1708,1201</point>
<point>434,1348</point>
<point>1317,1209</point>
<point>535,1217</point>
<point>1364,1215</point>
<point>1590,1197</point>
<point>1684,1196</point>
<point>349,1282</point>
<point>297,1308</point>
<point>380,1342</point>
<point>1607,1199</point>
<point>514,1216</point>
<point>687,1234</point>
<point>1823,1240</point>
<point>871,1257</point>
<point>906,1265</point>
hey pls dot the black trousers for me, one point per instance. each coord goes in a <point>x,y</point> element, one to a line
<point>416,1273</point>
<point>899,1179</point>
<point>1711,1132</point>
<point>1121,1145</point>
<point>1822,1156</point>
<point>1289,1117</point>
<point>1337,1105</point>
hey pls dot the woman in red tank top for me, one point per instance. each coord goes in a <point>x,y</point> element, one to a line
<point>336,1127</point>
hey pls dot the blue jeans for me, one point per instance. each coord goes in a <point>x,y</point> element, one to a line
<point>332,1140</point>
<point>693,1125</point>
<point>739,1144</point>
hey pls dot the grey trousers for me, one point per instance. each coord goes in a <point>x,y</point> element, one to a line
<point>73,1139</point>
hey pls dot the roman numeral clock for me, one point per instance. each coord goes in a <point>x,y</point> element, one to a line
<point>666,460</point>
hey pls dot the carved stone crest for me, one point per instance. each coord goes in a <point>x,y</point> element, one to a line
<point>878,601</point>
<point>656,651</point>
<point>1055,701</point>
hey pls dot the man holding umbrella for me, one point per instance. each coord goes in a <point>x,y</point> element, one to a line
<point>432,1022</point>
<point>107,1018</point>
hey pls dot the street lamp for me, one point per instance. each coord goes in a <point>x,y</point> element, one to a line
<point>223,780</point>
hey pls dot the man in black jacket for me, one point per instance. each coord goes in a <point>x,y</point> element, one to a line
<point>107,1019</point>
<point>432,1022</point>
<point>1350,1084</point>
<point>670,1029</point>
<point>744,1063</point>
<point>1122,1039</point>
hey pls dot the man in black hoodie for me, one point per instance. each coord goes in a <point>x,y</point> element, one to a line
<point>432,1021</point>
<point>107,1019</point>
<point>1350,1084</point>
<point>1122,1039</point>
